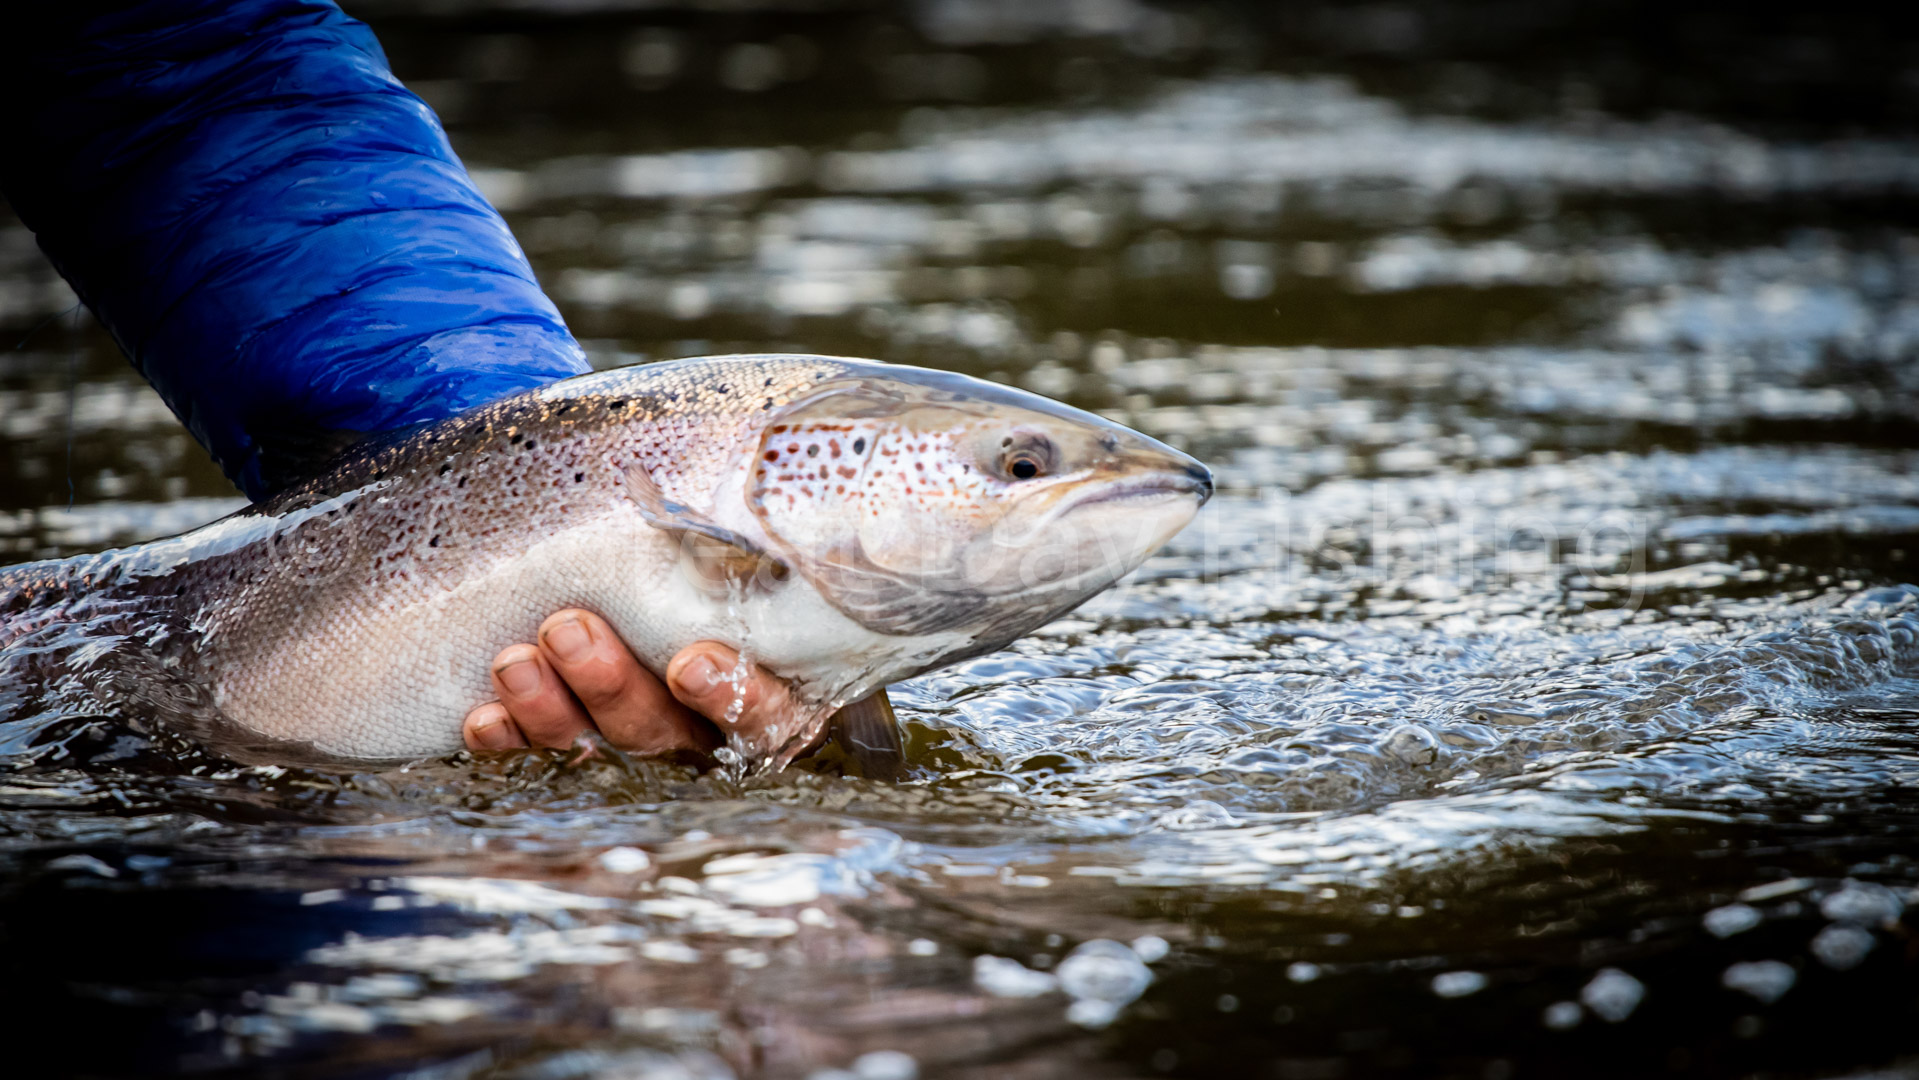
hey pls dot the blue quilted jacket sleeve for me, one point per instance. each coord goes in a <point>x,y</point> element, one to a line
<point>275,231</point>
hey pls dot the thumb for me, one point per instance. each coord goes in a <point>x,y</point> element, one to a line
<point>766,721</point>
<point>702,678</point>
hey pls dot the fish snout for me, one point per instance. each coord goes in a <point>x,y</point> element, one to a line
<point>1148,467</point>
<point>1202,478</point>
<point>1172,469</point>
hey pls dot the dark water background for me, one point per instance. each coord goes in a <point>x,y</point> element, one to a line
<point>1537,699</point>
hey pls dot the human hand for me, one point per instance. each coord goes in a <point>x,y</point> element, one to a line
<point>581,676</point>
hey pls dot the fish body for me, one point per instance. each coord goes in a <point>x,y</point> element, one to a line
<point>845,523</point>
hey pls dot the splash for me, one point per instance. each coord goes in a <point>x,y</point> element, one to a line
<point>737,757</point>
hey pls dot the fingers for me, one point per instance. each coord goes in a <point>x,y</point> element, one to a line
<point>623,699</point>
<point>583,676</point>
<point>701,677</point>
<point>491,727</point>
<point>535,697</point>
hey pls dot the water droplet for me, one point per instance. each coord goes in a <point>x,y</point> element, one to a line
<point>1151,948</point>
<point>1562,1015</point>
<point>886,1065</point>
<point>1862,903</point>
<point>1766,980</point>
<point>1724,922</point>
<point>625,860</point>
<point>1613,995</point>
<point>1842,947</point>
<point>1003,977</point>
<point>1104,970</point>
<point>1453,984</point>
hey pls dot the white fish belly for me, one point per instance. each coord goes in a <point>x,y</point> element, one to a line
<point>394,674</point>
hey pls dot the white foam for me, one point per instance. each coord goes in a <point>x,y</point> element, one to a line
<point>625,860</point>
<point>779,880</point>
<point>1003,977</point>
<point>500,896</point>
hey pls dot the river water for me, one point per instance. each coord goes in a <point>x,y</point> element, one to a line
<point>1539,697</point>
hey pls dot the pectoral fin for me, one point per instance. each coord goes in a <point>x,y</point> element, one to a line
<point>869,734</point>
<point>715,553</point>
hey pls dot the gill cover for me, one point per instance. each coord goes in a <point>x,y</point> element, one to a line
<point>831,489</point>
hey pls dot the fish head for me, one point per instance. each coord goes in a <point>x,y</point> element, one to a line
<point>924,502</point>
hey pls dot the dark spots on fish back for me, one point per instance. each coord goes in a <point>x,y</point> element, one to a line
<point>579,477</point>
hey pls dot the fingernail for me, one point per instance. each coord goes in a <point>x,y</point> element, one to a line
<point>569,640</point>
<point>700,675</point>
<point>520,677</point>
<point>494,733</point>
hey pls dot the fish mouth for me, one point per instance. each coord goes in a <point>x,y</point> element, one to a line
<point>1194,480</point>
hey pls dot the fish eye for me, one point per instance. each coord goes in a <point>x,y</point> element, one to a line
<point>1026,459</point>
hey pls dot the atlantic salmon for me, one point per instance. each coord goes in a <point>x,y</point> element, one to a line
<point>845,523</point>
